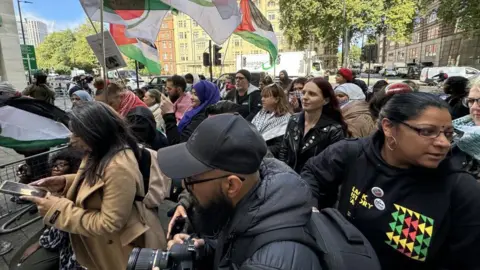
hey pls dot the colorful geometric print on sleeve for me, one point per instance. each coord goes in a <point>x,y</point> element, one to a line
<point>411,233</point>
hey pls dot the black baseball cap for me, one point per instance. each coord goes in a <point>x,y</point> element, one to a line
<point>225,142</point>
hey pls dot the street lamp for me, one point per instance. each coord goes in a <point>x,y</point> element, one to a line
<point>23,33</point>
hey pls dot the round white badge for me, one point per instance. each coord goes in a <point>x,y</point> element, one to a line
<point>379,204</point>
<point>377,192</point>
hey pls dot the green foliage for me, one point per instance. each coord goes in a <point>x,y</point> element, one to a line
<point>467,10</point>
<point>65,50</point>
<point>354,54</point>
<point>323,20</point>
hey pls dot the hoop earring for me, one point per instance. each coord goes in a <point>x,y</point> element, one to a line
<point>395,143</point>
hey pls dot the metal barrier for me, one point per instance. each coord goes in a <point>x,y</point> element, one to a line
<point>25,170</point>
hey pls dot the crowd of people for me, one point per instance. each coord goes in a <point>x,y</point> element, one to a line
<point>400,165</point>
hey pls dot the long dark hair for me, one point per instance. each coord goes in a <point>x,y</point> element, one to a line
<point>104,132</point>
<point>407,106</point>
<point>332,109</point>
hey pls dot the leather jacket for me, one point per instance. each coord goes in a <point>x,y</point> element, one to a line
<point>297,148</point>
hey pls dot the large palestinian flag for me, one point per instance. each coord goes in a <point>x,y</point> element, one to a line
<point>30,124</point>
<point>137,49</point>
<point>256,29</point>
<point>138,23</point>
<point>219,18</point>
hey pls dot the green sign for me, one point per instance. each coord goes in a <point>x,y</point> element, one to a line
<point>29,58</point>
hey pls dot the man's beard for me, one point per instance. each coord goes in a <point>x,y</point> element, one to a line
<point>210,220</point>
<point>174,97</point>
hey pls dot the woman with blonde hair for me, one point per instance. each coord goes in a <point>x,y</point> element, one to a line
<point>272,120</point>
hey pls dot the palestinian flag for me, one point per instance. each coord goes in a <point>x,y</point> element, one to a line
<point>138,24</point>
<point>256,29</point>
<point>141,50</point>
<point>30,124</point>
<point>219,18</point>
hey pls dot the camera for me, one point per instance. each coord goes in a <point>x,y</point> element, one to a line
<point>179,257</point>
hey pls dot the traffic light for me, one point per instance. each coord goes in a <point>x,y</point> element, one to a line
<point>217,55</point>
<point>206,59</point>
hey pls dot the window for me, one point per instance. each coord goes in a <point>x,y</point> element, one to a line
<point>432,17</point>
<point>169,44</point>
<point>164,44</point>
<point>416,37</point>
<point>167,35</point>
<point>271,3</point>
<point>271,16</point>
<point>195,24</point>
<point>180,35</point>
<point>413,53</point>
<point>433,32</point>
<point>171,56</point>
<point>431,50</point>
<point>237,43</point>
<point>165,56</point>
<point>183,48</point>
<point>195,35</point>
<point>201,46</point>
<point>166,67</point>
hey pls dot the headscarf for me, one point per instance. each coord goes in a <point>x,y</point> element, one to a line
<point>208,94</point>
<point>8,89</point>
<point>83,95</point>
<point>129,102</point>
<point>352,91</point>
<point>469,141</point>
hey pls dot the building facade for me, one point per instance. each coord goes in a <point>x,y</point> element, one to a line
<point>434,42</point>
<point>11,64</point>
<point>192,42</point>
<point>35,32</point>
<point>166,46</point>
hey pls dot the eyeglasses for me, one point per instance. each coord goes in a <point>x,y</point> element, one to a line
<point>189,181</point>
<point>239,78</point>
<point>468,102</point>
<point>430,132</point>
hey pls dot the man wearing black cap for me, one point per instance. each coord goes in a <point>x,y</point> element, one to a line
<point>239,195</point>
<point>246,94</point>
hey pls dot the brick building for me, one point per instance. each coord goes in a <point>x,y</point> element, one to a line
<point>166,46</point>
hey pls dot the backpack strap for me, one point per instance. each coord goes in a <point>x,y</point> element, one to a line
<point>245,248</point>
<point>144,164</point>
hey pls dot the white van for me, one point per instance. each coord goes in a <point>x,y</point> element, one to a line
<point>429,72</point>
<point>129,76</point>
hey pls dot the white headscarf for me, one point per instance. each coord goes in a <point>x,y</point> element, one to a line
<point>353,91</point>
<point>8,88</point>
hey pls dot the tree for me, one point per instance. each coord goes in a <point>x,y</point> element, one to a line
<point>65,50</point>
<point>467,12</point>
<point>324,20</point>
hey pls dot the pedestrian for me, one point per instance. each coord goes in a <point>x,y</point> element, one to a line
<point>120,99</point>
<point>204,93</point>
<point>239,195</point>
<point>319,124</point>
<point>182,100</point>
<point>456,89</point>
<point>80,96</point>
<point>285,81</point>
<point>399,188</point>
<point>40,89</point>
<point>152,99</point>
<point>246,94</point>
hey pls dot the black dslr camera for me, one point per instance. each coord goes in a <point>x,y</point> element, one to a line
<point>179,257</point>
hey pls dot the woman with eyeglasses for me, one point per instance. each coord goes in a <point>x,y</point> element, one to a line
<point>466,149</point>
<point>401,191</point>
<point>272,120</point>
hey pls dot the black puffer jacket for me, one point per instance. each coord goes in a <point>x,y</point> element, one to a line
<point>297,148</point>
<point>415,218</point>
<point>174,136</point>
<point>279,200</point>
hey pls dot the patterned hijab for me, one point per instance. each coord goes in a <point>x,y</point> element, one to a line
<point>469,139</point>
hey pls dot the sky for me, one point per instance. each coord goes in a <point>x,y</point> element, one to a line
<point>57,14</point>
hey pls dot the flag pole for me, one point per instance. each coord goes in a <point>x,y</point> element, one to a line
<point>104,69</point>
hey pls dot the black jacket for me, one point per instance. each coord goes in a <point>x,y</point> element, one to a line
<point>279,200</point>
<point>173,135</point>
<point>465,162</point>
<point>142,123</point>
<point>415,218</point>
<point>361,84</point>
<point>297,149</point>
<point>457,108</point>
<point>251,103</point>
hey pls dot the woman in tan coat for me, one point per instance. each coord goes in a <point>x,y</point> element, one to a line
<point>99,210</point>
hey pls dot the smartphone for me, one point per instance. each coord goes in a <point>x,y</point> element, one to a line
<point>19,189</point>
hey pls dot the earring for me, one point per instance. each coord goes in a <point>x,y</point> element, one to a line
<point>395,144</point>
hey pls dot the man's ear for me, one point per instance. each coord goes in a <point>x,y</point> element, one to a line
<point>232,186</point>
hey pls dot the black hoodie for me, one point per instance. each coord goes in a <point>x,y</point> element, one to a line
<point>142,122</point>
<point>414,218</point>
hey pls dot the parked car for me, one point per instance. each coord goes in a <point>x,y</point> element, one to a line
<point>158,82</point>
<point>388,72</point>
<point>427,73</point>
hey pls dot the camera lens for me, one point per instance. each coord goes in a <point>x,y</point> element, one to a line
<point>143,259</point>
